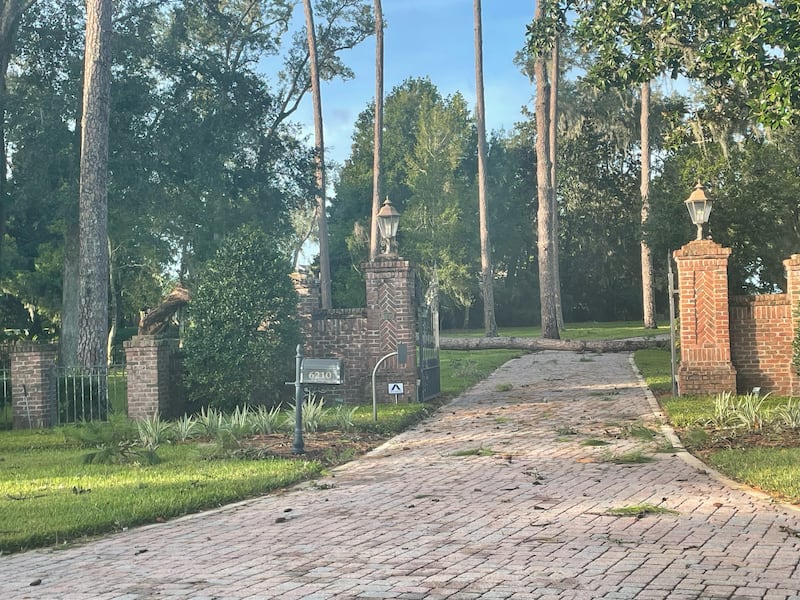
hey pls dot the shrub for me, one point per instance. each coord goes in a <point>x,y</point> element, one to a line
<point>313,409</point>
<point>243,326</point>
<point>112,442</point>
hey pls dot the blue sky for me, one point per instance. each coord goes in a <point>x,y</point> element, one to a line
<point>432,38</point>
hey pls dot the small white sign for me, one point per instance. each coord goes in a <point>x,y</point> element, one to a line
<point>395,388</point>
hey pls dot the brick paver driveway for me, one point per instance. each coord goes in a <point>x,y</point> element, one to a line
<point>415,520</point>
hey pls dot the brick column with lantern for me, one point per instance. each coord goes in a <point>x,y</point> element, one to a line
<point>706,366</point>
<point>392,320</point>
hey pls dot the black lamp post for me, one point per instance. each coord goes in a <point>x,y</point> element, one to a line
<point>699,207</point>
<point>388,221</point>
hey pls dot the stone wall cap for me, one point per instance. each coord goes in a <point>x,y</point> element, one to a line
<point>702,248</point>
<point>387,263</point>
<point>147,341</point>
<point>28,346</point>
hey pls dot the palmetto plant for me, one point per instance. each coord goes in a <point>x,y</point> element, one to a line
<point>239,422</point>
<point>724,410</point>
<point>787,416</point>
<point>343,418</point>
<point>313,411</point>
<point>748,413</point>
<point>186,428</point>
<point>211,420</point>
<point>266,420</point>
<point>153,431</point>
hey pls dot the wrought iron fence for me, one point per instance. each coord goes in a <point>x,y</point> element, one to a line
<point>6,414</point>
<point>90,394</point>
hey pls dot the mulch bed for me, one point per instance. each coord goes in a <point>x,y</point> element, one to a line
<point>327,447</point>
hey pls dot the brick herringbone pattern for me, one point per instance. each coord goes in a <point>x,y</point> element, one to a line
<point>705,314</point>
<point>415,520</point>
<point>388,327</point>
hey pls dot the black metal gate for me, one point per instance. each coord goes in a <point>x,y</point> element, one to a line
<point>428,344</point>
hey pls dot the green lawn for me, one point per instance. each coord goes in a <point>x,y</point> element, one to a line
<point>461,369</point>
<point>48,496</point>
<point>775,470</point>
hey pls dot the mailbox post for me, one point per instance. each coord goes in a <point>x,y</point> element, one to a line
<point>298,446</point>
<point>310,370</point>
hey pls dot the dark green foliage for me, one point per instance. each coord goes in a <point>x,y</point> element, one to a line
<point>113,443</point>
<point>241,341</point>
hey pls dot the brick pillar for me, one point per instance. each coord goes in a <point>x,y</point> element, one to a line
<point>309,302</point>
<point>391,320</point>
<point>792,267</point>
<point>151,378</point>
<point>706,366</point>
<point>33,392</point>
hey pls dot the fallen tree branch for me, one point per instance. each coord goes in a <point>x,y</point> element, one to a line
<point>157,320</point>
<point>533,344</point>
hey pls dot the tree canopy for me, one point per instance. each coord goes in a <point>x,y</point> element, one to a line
<point>203,140</point>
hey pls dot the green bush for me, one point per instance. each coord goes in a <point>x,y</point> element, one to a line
<point>243,325</point>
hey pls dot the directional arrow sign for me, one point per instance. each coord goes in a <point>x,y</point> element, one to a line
<point>395,388</point>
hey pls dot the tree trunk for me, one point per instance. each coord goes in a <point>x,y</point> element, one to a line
<point>10,13</point>
<point>534,344</point>
<point>319,139</point>
<point>487,277</point>
<point>544,194</point>
<point>377,150</point>
<point>648,295</point>
<point>93,211</point>
<point>554,77</point>
<point>68,335</point>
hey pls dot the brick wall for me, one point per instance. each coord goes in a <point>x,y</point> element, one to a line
<point>152,372</point>
<point>706,366</point>
<point>392,320</point>
<point>761,342</point>
<point>341,333</point>
<point>33,392</point>
<point>747,338</point>
<point>360,337</point>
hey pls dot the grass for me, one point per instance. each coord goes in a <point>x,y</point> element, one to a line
<point>461,369</point>
<point>573,331</point>
<point>48,497</point>
<point>474,452</point>
<point>593,442</point>
<point>629,458</point>
<point>654,364</point>
<point>775,470</point>
<point>640,511</point>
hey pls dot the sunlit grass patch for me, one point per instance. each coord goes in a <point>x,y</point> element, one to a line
<point>654,365</point>
<point>461,369</point>
<point>49,497</point>
<point>590,330</point>
<point>593,442</point>
<point>628,458</point>
<point>774,470</point>
<point>480,451</point>
<point>640,511</point>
